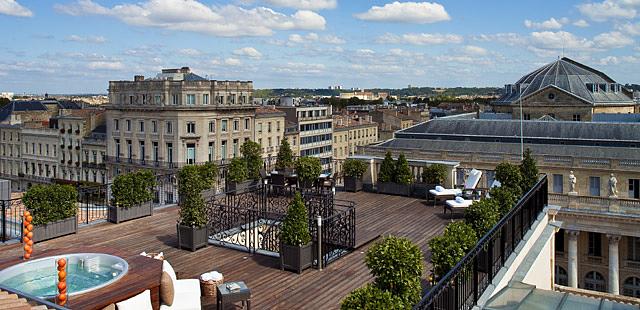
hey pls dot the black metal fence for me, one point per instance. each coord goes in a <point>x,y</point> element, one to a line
<point>251,220</point>
<point>461,287</point>
<point>11,219</point>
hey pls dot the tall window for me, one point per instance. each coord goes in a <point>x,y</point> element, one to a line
<point>170,152</point>
<point>175,99</point>
<point>595,244</point>
<point>594,281</point>
<point>191,153</point>
<point>205,99</point>
<point>212,150</point>
<point>117,149</point>
<point>634,248</point>
<point>247,126</point>
<point>212,126</point>
<point>129,149</point>
<point>594,186</point>
<point>169,127</point>
<point>235,148</point>
<point>634,188</point>
<point>269,127</point>
<point>561,277</point>
<point>142,151</point>
<point>157,99</point>
<point>141,126</point>
<point>191,127</point>
<point>154,126</point>
<point>223,149</point>
<point>191,99</point>
<point>558,183</point>
<point>128,122</point>
<point>155,151</point>
<point>116,124</point>
<point>223,125</point>
<point>259,127</point>
<point>236,125</point>
<point>631,287</point>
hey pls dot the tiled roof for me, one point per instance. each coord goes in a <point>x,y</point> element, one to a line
<point>21,106</point>
<point>569,76</point>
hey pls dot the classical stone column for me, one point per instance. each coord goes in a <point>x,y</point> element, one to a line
<point>614,261</point>
<point>573,257</point>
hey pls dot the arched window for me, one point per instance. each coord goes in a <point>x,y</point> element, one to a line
<point>595,281</point>
<point>631,287</point>
<point>561,276</point>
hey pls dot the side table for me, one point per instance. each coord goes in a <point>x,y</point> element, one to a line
<point>226,297</point>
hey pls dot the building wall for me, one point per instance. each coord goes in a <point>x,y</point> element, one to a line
<point>269,131</point>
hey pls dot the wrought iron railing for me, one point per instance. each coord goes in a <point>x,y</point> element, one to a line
<point>463,285</point>
<point>11,219</point>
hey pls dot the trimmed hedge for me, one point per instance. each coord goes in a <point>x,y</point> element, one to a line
<point>447,250</point>
<point>434,174</point>
<point>285,156</point>
<point>529,171</point>
<point>237,170</point>
<point>370,297</point>
<point>192,180</point>
<point>354,168</point>
<point>252,154</point>
<point>295,227</point>
<point>132,189</point>
<point>51,203</point>
<point>308,169</point>
<point>403,172</point>
<point>387,169</point>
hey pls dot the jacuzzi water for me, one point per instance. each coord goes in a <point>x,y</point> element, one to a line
<point>85,272</point>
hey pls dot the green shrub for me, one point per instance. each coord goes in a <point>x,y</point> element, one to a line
<point>295,227</point>
<point>396,263</point>
<point>447,250</point>
<point>529,171</point>
<point>482,215</point>
<point>403,173</point>
<point>387,169</point>
<point>308,169</point>
<point>505,198</point>
<point>434,174</point>
<point>192,180</point>
<point>354,168</point>
<point>370,297</point>
<point>509,176</point>
<point>237,170</point>
<point>285,156</point>
<point>252,154</point>
<point>50,203</point>
<point>134,188</point>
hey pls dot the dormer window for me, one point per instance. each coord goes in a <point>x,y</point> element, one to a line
<point>602,87</point>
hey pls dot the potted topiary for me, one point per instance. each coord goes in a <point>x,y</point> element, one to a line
<point>395,179</point>
<point>191,226</point>
<point>284,164</point>
<point>432,176</point>
<point>353,171</point>
<point>237,177</point>
<point>132,195</point>
<point>308,170</point>
<point>54,209</point>
<point>252,154</point>
<point>296,251</point>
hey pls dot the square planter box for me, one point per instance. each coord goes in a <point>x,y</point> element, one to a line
<point>278,179</point>
<point>233,187</point>
<point>121,214</point>
<point>392,188</point>
<point>296,258</point>
<point>421,190</point>
<point>352,184</point>
<point>55,229</point>
<point>192,238</point>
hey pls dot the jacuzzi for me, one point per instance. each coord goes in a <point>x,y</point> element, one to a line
<point>85,272</point>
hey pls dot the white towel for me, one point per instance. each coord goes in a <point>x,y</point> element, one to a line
<point>459,199</point>
<point>439,188</point>
<point>211,276</point>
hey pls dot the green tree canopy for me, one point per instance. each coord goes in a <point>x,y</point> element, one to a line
<point>237,170</point>
<point>285,156</point>
<point>252,154</point>
<point>449,248</point>
<point>387,169</point>
<point>529,171</point>
<point>295,227</point>
<point>403,172</point>
<point>509,176</point>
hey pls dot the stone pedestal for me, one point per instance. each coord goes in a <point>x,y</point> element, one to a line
<point>573,258</point>
<point>614,261</point>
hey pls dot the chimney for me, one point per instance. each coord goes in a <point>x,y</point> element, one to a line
<point>138,78</point>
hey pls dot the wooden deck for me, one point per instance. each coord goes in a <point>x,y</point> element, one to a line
<point>271,288</point>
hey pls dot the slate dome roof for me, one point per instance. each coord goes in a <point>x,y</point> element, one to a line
<point>572,77</point>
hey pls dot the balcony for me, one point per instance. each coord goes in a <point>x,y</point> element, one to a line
<point>572,203</point>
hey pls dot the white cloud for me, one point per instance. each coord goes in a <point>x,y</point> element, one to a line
<point>194,16</point>
<point>314,37</point>
<point>509,38</point>
<point>559,40</point>
<point>233,62</point>
<point>88,39</point>
<point>614,39</point>
<point>305,4</point>
<point>631,29</point>
<point>248,52</point>
<point>581,23</point>
<point>406,12</point>
<point>474,50</point>
<point>190,52</point>
<point>365,52</point>
<point>419,38</point>
<point>13,8</point>
<point>105,65</point>
<point>301,68</point>
<point>608,9</point>
<point>550,24</point>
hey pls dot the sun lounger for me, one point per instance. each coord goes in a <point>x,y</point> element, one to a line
<point>455,204</point>
<point>440,193</point>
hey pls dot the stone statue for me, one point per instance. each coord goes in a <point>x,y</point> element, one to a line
<point>613,182</point>
<point>572,182</point>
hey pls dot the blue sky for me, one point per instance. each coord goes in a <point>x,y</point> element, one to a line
<point>77,46</point>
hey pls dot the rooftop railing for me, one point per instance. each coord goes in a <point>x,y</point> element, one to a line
<point>463,285</point>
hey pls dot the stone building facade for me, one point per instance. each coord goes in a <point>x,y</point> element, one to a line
<point>176,118</point>
<point>269,130</point>
<point>315,127</point>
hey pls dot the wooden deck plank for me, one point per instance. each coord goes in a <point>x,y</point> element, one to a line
<point>271,288</point>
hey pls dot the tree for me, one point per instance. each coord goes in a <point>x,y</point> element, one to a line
<point>403,172</point>
<point>396,264</point>
<point>504,197</point>
<point>295,227</point>
<point>252,154</point>
<point>449,248</point>
<point>434,174</point>
<point>371,297</point>
<point>509,176</point>
<point>387,169</point>
<point>482,215</point>
<point>285,157</point>
<point>237,170</point>
<point>354,168</point>
<point>191,182</point>
<point>529,171</point>
<point>308,169</point>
